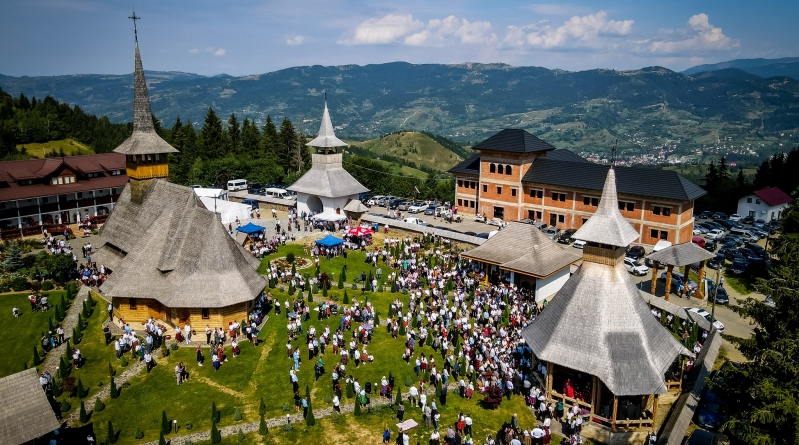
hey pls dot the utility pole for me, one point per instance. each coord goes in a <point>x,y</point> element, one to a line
<point>713,303</point>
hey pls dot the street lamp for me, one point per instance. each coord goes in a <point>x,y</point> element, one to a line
<point>175,424</point>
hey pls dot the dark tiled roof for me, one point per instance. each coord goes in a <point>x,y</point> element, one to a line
<point>39,170</point>
<point>565,155</point>
<point>515,141</point>
<point>470,166</point>
<point>26,413</point>
<point>773,196</point>
<point>663,184</point>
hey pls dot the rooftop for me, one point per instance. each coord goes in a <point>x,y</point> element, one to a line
<point>773,196</point>
<point>328,178</point>
<point>607,225</point>
<point>326,138</point>
<point>25,413</point>
<point>681,255</point>
<point>515,141</point>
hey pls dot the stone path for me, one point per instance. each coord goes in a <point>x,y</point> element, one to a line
<point>70,321</point>
<point>278,422</point>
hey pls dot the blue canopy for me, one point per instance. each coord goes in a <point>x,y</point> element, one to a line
<point>251,228</point>
<point>330,241</point>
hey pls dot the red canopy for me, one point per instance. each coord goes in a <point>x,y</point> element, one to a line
<point>360,231</point>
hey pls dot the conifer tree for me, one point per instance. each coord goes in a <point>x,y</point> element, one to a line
<point>166,427</point>
<point>212,138</point>
<point>112,438</point>
<point>263,429</point>
<point>13,257</point>
<point>37,360</point>
<point>84,416</point>
<point>241,435</point>
<point>310,420</point>
<point>81,391</point>
<point>114,389</point>
<point>262,408</point>
<point>161,440</point>
<point>215,436</point>
<point>98,405</point>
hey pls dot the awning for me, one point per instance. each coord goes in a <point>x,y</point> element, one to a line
<point>250,228</point>
<point>330,241</point>
<point>360,231</point>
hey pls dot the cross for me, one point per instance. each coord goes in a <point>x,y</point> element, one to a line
<point>134,17</point>
<point>613,154</point>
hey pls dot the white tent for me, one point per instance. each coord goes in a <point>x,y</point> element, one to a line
<point>228,210</point>
<point>329,217</point>
<point>211,193</point>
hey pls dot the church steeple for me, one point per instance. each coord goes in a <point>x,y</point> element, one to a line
<point>607,233</point>
<point>326,138</point>
<point>145,151</point>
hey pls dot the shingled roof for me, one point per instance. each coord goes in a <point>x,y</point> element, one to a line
<point>773,196</point>
<point>523,248</point>
<point>469,166</point>
<point>637,181</point>
<point>515,141</point>
<point>171,248</point>
<point>681,255</point>
<point>607,225</point>
<point>25,413</point>
<point>326,138</point>
<point>144,139</point>
<point>327,178</point>
<point>599,324</point>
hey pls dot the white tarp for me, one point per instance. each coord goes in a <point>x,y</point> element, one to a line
<point>228,210</point>
<point>329,217</point>
<point>212,193</point>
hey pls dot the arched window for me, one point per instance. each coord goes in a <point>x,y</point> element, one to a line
<point>508,170</point>
<point>492,168</point>
<point>499,169</point>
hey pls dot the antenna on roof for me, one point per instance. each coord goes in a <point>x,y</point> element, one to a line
<point>613,153</point>
<point>134,17</point>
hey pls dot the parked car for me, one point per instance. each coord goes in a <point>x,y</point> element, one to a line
<point>373,200</point>
<point>717,262</point>
<point>250,202</point>
<point>699,229</point>
<point>719,215</point>
<point>431,209</point>
<point>715,234</point>
<point>739,266</point>
<point>483,235</point>
<point>736,240</point>
<point>195,186</point>
<point>706,214</point>
<point>712,225</point>
<point>711,246</point>
<point>551,232</point>
<point>635,252</point>
<point>698,241</point>
<point>751,256</point>
<point>495,222</point>
<point>404,205</point>
<point>677,279</point>
<point>726,224</point>
<point>635,268</point>
<point>706,315</point>
<point>758,249</point>
<point>579,244</point>
<point>760,223</point>
<point>733,254</point>
<point>702,437</point>
<point>720,294</point>
<point>566,236</point>
<point>417,207</point>
<point>749,219</point>
<point>394,204</point>
<point>769,301</point>
<point>736,217</point>
<point>760,233</point>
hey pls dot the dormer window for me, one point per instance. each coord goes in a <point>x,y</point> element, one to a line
<point>63,179</point>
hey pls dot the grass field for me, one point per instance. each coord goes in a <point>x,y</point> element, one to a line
<point>415,147</point>
<point>70,146</point>
<point>263,373</point>
<point>25,331</point>
<point>403,170</point>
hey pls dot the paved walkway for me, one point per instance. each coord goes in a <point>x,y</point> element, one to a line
<point>278,422</point>
<point>70,321</point>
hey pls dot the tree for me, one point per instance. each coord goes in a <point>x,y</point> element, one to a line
<point>234,134</point>
<point>492,396</point>
<point>81,391</point>
<point>13,258</point>
<point>166,427</point>
<point>341,280</point>
<point>262,408</point>
<point>37,359</point>
<point>84,416</point>
<point>263,429</point>
<point>114,390</point>
<point>250,140</point>
<point>112,438</point>
<point>98,405</point>
<point>214,413</point>
<point>761,394</point>
<point>212,138</point>
<point>269,141</point>
<point>310,420</point>
<point>241,435</point>
<point>216,437</point>
<point>287,141</point>
<point>161,440</point>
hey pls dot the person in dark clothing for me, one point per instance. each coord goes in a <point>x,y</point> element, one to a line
<point>400,412</point>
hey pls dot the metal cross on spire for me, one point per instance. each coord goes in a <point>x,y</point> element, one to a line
<point>613,154</point>
<point>134,17</point>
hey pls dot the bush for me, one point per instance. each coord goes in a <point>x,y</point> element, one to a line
<point>114,389</point>
<point>58,388</point>
<point>216,437</point>
<point>81,391</point>
<point>263,429</point>
<point>346,297</point>
<point>112,438</point>
<point>99,405</point>
<point>492,396</point>
<point>65,406</point>
<point>290,257</point>
<point>123,362</point>
<point>139,434</point>
<point>237,415</point>
<point>19,283</point>
<point>37,359</point>
<point>241,435</point>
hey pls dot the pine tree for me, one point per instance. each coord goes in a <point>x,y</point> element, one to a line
<point>234,134</point>
<point>98,405</point>
<point>166,427</point>
<point>291,288</point>
<point>112,438</point>
<point>241,435</point>
<point>13,257</point>
<point>114,390</point>
<point>346,299</point>
<point>310,296</point>
<point>287,140</point>
<point>399,397</point>
<point>310,420</point>
<point>358,411</point>
<point>262,408</point>
<point>84,416</point>
<point>341,280</point>
<point>215,436</point>
<point>214,413</point>
<point>263,429</point>
<point>161,440</point>
<point>37,359</point>
<point>81,391</point>
<point>350,391</point>
<point>269,141</point>
<point>237,415</point>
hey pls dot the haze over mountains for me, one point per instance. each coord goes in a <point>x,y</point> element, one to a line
<point>654,112</point>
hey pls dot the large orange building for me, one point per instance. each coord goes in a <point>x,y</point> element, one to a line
<point>518,176</point>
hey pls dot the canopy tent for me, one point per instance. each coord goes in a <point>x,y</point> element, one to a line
<point>251,228</point>
<point>330,241</point>
<point>360,231</point>
<point>329,217</point>
<point>228,211</point>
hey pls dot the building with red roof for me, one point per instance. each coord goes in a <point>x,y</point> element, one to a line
<point>765,204</point>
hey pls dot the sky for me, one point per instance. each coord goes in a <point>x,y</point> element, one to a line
<point>241,37</point>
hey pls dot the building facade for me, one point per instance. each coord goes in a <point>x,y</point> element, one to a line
<point>766,204</point>
<point>517,176</point>
<point>37,192</point>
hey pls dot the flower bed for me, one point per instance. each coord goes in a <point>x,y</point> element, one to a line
<point>299,262</point>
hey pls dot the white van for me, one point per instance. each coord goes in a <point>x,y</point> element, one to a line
<point>744,234</point>
<point>278,193</point>
<point>237,184</point>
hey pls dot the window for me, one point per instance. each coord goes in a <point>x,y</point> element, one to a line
<point>585,220</point>
<point>499,212</point>
<point>206,314</point>
<point>666,211</point>
<point>116,172</point>
<point>536,193</point>
<point>561,218</point>
<point>508,170</point>
<point>653,233</point>
<point>534,214</point>
<point>659,210</point>
<point>748,200</point>
<point>132,302</point>
<point>500,169</point>
<point>472,185</point>
<point>79,195</point>
<point>558,196</point>
<point>460,183</point>
<point>629,206</point>
<point>587,200</point>
<point>471,204</point>
<point>492,168</point>
<point>757,201</point>
<point>513,192</point>
<point>460,202</point>
<point>499,190</point>
<point>485,188</point>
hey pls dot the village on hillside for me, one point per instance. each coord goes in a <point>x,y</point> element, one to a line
<point>554,300</point>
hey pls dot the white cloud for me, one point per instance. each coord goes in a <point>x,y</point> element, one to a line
<point>220,52</point>
<point>701,36</point>
<point>295,41</point>
<point>438,32</point>
<point>194,51</point>
<point>592,31</point>
<point>384,30</point>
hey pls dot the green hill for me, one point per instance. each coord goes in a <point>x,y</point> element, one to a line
<point>69,147</point>
<point>415,148</point>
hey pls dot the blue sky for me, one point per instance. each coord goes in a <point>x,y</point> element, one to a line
<point>239,37</point>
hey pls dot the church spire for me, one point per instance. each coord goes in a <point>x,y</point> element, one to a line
<point>142,116</point>
<point>326,138</point>
<point>607,226</point>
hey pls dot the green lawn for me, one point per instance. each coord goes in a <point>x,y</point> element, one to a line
<point>742,285</point>
<point>70,146</point>
<point>26,330</point>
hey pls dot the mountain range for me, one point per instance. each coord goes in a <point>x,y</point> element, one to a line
<point>652,112</point>
<point>784,67</point>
